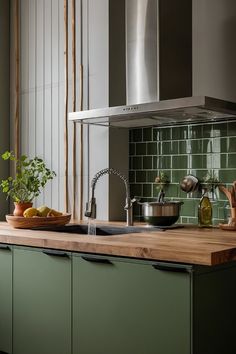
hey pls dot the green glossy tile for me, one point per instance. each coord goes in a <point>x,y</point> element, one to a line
<point>136,190</point>
<point>196,161</point>
<point>164,162</point>
<point>147,190</point>
<point>165,134</point>
<point>223,145</point>
<point>227,176</point>
<point>180,162</point>
<point>155,191</point>
<point>155,160</point>
<point>141,176</point>
<point>147,162</point>
<point>132,149</point>
<point>207,130</point>
<point>141,148</point>
<point>147,134</point>
<point>216,160</point>
<point>195,131</point>
<point>131,176</point>
<point>219,129</point>
<point>189,208</point>
<point>137,135</point>
<point>166,148</point>
<point>172,191</point>
<point>183,147</point>
<point>151,148</point>
<point>232,144</point>
<point>231,161</point>
<point>180,133</point>
<point>207,146</point>
<point>137,163</point>
<point>231,128</point>
<point>178,175</point>
<point>216,144</point>
<point>156,134</point>
<point>196,146</point>
<point>151,175</point>
<point>207,161</point>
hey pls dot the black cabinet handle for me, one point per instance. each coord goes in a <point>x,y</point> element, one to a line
<point>96,260</point>
<point>4,247</point>
<point>55,253</point>
<point>176,269</point>
<point>1,352</point>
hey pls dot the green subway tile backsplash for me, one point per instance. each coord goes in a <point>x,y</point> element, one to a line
<point>178,151</point>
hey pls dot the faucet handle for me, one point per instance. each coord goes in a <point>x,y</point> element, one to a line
<point>91,209</point>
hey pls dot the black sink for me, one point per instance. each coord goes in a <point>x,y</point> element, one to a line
<point>100,230</point>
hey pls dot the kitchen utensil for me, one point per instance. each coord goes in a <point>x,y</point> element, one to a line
<point>189,183</point>
<point>20,222</point>
<point>161,213</point>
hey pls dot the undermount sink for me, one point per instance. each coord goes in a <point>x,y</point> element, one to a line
<point>100,230</point>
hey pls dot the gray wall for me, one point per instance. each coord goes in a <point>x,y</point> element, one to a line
<point>4,96</point>
<point>214,48</point>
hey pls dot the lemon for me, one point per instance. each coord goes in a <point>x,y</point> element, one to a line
<point>30,212</point>
<point>43,210</point>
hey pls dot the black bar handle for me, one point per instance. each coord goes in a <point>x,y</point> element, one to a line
<point>1,352</point>
<point>96,260</point>
<point>55,253</point>
<point>167,268</point>
<point>4,247</point>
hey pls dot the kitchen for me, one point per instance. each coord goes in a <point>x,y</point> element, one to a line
<point>142,152</point>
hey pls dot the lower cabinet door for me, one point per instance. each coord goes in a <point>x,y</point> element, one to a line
<point>5,299</point>
<point>123,307</point>
<point>41,302</point>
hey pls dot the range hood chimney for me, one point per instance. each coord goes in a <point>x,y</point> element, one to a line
<point>158,50</point>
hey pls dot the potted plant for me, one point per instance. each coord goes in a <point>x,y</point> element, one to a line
<point>31,176</point>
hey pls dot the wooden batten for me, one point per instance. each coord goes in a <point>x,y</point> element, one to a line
<point>17,79</point>
<point>74,105</point>
<point>66,103</point>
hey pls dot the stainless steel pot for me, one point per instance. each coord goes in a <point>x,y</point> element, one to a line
<point>161,214</point>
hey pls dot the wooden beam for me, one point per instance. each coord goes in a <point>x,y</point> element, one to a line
<point>66,103</point>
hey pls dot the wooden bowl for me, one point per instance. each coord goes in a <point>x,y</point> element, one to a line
<point>19,222</point>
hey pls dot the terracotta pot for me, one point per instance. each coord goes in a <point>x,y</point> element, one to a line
<point>20,208</point>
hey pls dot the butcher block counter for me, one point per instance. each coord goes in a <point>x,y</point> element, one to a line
<point>188,244</point>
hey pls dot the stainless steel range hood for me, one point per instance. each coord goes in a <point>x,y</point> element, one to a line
<point>158,71</point>
<point>168,112</point>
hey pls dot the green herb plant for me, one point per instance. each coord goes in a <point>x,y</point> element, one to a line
<point>162,180</point>
<point>31,176</point>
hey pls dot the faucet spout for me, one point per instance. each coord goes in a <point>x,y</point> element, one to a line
<point>91,205</point>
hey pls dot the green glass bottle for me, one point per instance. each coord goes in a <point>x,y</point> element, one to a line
<point>205,212</point>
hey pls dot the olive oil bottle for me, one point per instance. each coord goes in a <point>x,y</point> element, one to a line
<point>205,212</point>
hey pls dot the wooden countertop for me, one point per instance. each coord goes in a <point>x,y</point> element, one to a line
<point>184,245</point>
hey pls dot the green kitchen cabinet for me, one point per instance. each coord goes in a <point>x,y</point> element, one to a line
<point>5,299</point>
<point>125,306</point>
<point>41,301</point>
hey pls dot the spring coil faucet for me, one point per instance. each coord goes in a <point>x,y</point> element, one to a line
<point>91,208</point>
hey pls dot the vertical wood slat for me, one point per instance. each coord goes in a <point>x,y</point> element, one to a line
<point>17,79</point>
<point>81,146</point>
<point>66,104</point>
<point>74,105</point>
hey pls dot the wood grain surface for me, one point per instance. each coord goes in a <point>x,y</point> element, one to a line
<point>186,245</point>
